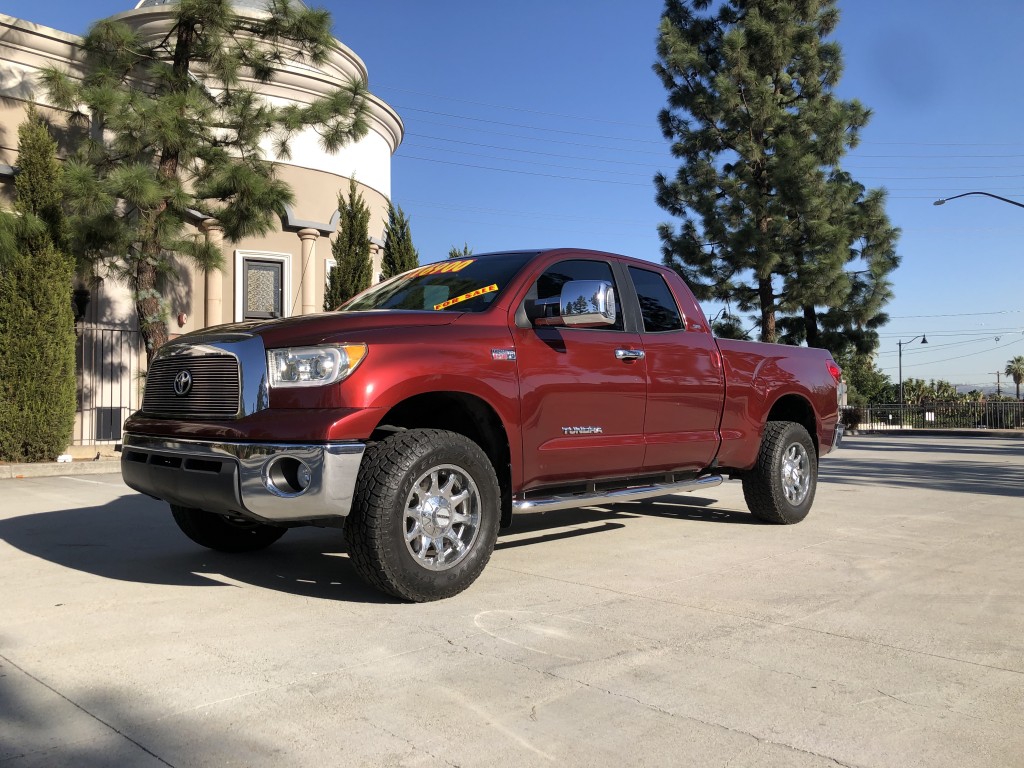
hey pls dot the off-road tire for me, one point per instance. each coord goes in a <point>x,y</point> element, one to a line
<point>399,478</point>
<point>223,533</point>
<point>780,488</point>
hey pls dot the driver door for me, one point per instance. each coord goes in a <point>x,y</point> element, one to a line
<point>583,390</point>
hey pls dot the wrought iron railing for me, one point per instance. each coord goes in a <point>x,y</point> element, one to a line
<point>986,414</point>
<point>109,382</point>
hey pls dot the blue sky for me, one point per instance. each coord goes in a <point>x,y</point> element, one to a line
<point>534,124</point>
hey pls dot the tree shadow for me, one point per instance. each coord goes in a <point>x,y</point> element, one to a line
<point>953,475</point>
<point>96,728</point>
<point>983,445</point>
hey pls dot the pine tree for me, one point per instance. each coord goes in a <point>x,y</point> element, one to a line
<point>37,340</point>
<point>190,138</point>
<point>856,289</point>
<point>770,222</point>
<point>353,270</point>
<point>399,254</point>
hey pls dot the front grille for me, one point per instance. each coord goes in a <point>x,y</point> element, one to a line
<point>214,392</point>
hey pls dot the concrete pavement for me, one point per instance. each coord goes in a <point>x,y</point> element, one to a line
<point>885,630</point>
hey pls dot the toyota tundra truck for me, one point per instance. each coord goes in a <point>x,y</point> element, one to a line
<point>433,407</point>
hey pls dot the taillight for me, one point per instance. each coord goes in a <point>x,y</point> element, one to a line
<point>835,370</point>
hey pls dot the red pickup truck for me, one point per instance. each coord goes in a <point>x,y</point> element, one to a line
<point>435,405</point>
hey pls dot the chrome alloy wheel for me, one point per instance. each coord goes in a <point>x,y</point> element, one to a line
<point>442,517</point>
<point>796,474</point>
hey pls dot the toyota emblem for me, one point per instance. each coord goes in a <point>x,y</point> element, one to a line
<point>183,383</point>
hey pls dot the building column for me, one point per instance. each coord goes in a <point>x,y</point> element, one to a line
<point>309,238</point>
<point>376,261</point>
<point>214,232</point>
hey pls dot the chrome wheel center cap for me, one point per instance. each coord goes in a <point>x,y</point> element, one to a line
<point>437,516</point>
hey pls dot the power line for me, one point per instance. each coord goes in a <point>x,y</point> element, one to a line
<point>463,153</point>
<point>590,119</point>
<point>526,173</point>
<point>525,214</point>
<point>666,153</point>
<point>524,151</point>
<point>958,314</point>
<point>530,127</point>
<point>960,357</point>
<point>518,109</point>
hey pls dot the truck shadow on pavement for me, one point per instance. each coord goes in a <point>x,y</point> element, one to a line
<point>135,539</point>
<point>608,516</point>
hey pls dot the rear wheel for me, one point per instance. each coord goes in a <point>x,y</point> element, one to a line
<point>425,514</point>
<point>225,533</point>
<point>780,488</point>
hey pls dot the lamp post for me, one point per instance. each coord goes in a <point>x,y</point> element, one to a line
<point>944,200</point>
<point>900,343</point>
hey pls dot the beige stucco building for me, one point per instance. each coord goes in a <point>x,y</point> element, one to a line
<point>280,274</point>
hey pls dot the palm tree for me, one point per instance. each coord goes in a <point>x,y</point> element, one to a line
<point>1015,370</point>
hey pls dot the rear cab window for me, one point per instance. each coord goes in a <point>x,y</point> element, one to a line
<point>657,304</point>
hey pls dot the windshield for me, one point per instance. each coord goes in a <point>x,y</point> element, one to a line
<point>460,285</point>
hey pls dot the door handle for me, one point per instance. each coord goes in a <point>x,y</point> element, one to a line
<point>629,355</point>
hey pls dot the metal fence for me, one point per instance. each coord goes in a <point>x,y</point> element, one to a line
<point>952,415</point>
<point>109,382</point>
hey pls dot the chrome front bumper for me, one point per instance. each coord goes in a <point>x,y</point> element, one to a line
<point>264,481</point>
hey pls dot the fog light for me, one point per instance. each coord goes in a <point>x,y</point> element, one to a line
<point>304,476</point>
<point>287,476</point>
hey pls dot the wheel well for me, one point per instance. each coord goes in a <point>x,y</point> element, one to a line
<point>796,408</point>
<point>467,415</point>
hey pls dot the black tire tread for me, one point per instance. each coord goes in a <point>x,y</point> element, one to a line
<point>761,486</point>
<point>377,488</point>
<point>216,532</point>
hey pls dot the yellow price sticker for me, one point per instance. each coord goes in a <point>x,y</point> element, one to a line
<point>442,267</point>
<point>467,296</point>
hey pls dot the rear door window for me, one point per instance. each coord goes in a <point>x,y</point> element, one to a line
<point>657,305</point>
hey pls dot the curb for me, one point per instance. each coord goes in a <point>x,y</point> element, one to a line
<point>101,466</point>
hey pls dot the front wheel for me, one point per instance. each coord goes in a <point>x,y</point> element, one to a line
<point>425,514</point>
<point>225,533</point>
<point>780,488</point>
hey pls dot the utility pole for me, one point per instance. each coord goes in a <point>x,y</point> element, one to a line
<point>999,386</point>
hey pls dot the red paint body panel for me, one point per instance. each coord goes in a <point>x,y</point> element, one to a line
<point>758,376</point>
<point>570,378</point>
<point>691,401</point>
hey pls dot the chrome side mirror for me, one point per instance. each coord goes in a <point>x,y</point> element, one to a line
<point>587,304</point>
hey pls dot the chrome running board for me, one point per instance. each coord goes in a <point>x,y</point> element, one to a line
<point>573,501</point>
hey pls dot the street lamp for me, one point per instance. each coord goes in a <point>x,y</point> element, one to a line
<point>900,343</point>
<point>944,200</point>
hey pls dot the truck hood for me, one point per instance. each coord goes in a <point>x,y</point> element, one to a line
<point>326,326</point>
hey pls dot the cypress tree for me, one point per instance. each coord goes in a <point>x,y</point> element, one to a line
<point>399,253</point>
<point>770,222</point>
<point>456,253</point>
<point>37,340</point>
<point>190,139</point>
<point>353,270</point>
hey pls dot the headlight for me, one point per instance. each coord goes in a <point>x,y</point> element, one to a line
<point>313,366</point>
